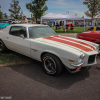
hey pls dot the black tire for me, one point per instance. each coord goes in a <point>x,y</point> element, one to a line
<point>3,48</point>
<point>99,50</point>
<point>99,47</point>
<point>52,64</point>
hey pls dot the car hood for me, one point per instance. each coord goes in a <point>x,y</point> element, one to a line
<point>67,43</point>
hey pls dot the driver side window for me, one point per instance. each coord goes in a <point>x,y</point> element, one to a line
<point>18,31</point>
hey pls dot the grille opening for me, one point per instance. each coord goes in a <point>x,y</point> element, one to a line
<point>91,59</point>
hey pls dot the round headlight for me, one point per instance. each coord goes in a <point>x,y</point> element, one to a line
<point>82,56</point>
<point>79,60</point>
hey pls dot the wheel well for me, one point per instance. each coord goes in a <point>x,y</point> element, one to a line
<point>43,54</point>
<point>3,42</point>
<point>98,42</point>
<point>49,53</point>
<point>1,39</point>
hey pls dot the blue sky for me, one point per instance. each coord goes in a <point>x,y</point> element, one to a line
<point>54,6</point>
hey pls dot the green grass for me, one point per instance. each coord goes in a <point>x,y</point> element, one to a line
<point>75,30</point>
<point>13,58</point>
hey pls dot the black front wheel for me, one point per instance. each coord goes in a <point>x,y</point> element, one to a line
<point>52,64</point>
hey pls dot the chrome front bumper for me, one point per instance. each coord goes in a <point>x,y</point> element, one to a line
<point>77,65</point>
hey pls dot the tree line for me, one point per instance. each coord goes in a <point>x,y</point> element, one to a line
<point>38,8</point>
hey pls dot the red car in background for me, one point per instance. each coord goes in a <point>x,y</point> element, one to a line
<point>92,36</point>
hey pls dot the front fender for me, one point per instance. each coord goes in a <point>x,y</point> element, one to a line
<point>52,52</point>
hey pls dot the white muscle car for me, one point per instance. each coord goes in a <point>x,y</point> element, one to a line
<point>54,51</point>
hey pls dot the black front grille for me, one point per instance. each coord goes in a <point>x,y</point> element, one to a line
<point>91,59</point>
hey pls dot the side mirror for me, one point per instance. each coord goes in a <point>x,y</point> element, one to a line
<point>22,36</point>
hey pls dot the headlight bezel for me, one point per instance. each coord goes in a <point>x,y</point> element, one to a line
<point>98,48</point>
<point>82,56</point>
<point>79,60</point>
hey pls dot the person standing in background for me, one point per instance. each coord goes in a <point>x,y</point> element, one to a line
<point>25,19</point>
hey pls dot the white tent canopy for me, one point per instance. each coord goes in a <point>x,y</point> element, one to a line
<point>52,16</point>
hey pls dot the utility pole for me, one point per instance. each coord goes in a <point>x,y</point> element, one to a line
<point>67,12</point>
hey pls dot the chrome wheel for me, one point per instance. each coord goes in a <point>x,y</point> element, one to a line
<point>50,65</point>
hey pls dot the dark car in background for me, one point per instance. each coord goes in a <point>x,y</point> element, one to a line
<point>4,21</point>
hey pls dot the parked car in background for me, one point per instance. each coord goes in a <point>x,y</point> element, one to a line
<point>40,42</point>
<point>80,24</point>
<point>92,36</point>
<point>97,25</point>
<point>4,23</point>
<point>15,21</point>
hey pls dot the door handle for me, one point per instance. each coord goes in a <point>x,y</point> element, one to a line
<point>7,37</point>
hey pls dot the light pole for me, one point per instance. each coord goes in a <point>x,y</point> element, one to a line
<point>67,12</point>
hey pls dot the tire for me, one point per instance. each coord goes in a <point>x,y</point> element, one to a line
<point>3,48</point>
<point>52,64</point>
<point>99,50</point>
<point>99,47</point>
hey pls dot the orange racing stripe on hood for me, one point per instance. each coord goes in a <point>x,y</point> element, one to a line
<point>75,41</point>
<point>69,43</point>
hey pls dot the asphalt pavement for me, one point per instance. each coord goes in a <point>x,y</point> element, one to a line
<point>29,82</point>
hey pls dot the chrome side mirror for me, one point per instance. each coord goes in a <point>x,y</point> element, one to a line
<point>22,36</point>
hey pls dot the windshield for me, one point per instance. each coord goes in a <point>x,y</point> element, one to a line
<point>41,31</point>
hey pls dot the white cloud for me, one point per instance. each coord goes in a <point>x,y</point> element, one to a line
<point>64,4</point>
<point>27,13</point>
<point>61,2</point>
<point>79,13</point>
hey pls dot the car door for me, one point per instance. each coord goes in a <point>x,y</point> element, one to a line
<point>18,41</point>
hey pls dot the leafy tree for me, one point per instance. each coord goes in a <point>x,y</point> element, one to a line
<point>93,8</point>
<point>37,7</point>
<point>0,14</point>
<point>14,9</point>
<point>5,16</point>
<point>33,18</point>
<point>21,15</point>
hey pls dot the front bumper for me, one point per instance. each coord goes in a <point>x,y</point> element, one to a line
<point>77,65</point>
<point>77,69</point>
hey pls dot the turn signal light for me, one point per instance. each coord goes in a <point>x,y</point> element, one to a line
<point>71,60</point>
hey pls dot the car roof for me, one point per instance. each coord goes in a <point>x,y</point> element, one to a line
<point>27,25</point>
<point>4,19</point>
